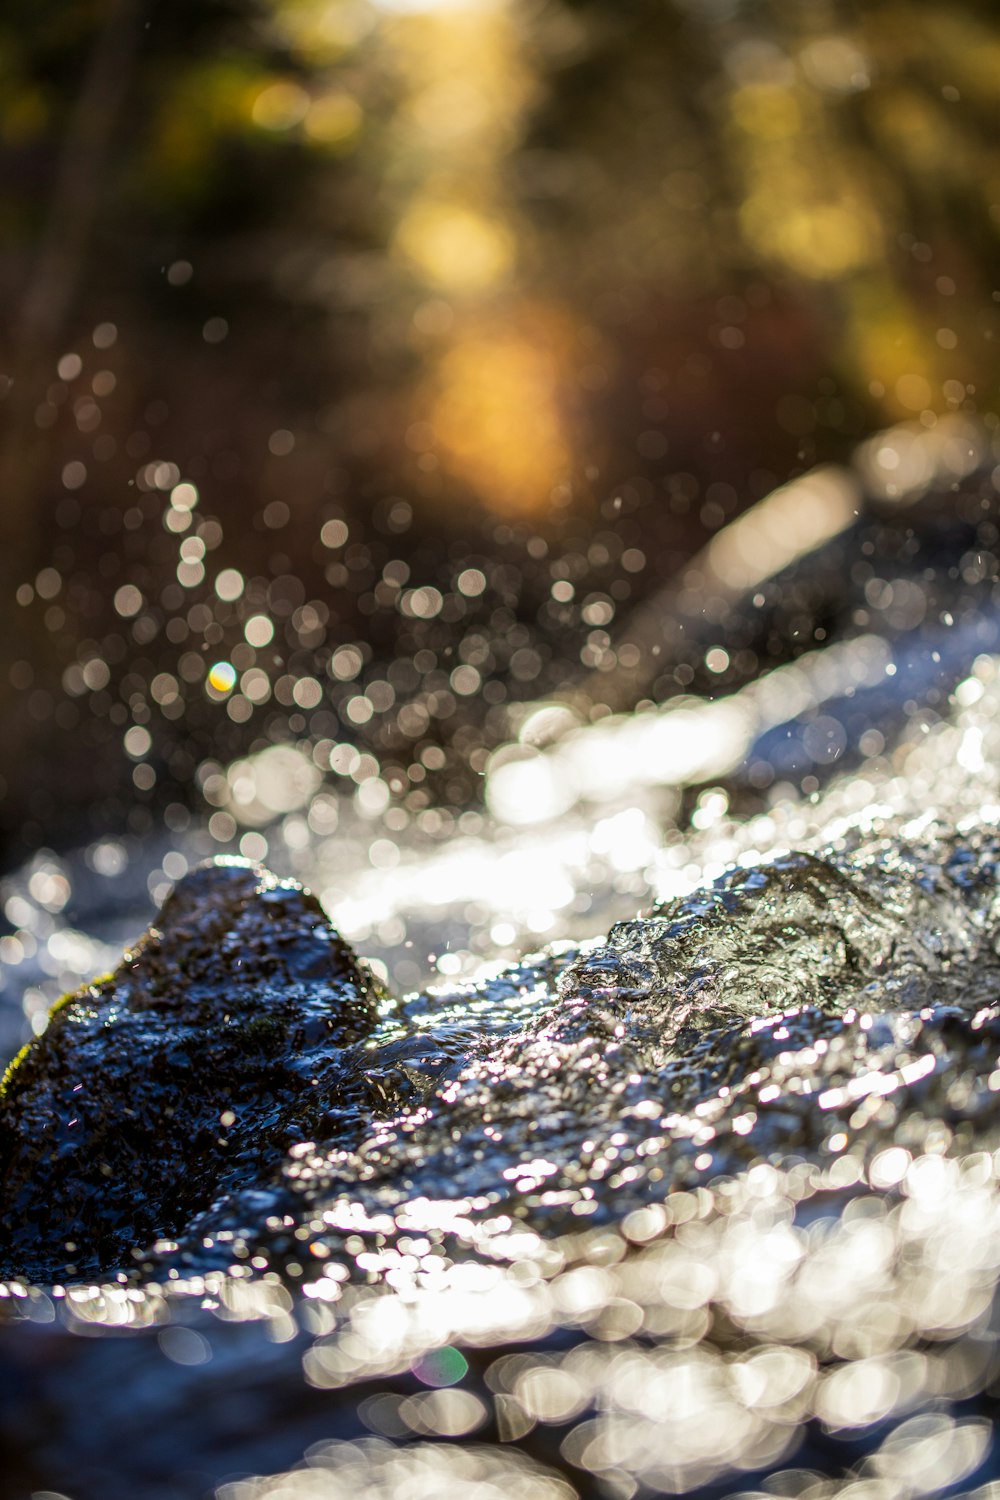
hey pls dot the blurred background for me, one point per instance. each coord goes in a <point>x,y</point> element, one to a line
<point>368,369</point>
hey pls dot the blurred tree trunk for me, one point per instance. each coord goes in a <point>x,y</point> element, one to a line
<point>41,321</point>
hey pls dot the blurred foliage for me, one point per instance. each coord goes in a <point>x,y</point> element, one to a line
<point>490,283</point>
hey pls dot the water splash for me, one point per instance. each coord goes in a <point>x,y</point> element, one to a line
<point>716,1194</point>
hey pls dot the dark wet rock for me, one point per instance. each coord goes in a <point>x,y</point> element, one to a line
<point>802,930</point>
<point>741,1021</point>
<point>220,1040</point>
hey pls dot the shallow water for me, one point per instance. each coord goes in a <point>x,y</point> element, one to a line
<point>708,1202</point>
<point>715,1195</point>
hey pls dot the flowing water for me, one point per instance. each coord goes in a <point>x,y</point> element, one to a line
<point>703,1199</point>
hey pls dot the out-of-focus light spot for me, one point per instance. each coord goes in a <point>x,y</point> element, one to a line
<point>546,723</point>
<point>50,889</point>
<point>836,64</point>
<point>104,335</point>
<point>597,610</point>
<point>717,659</point>
<point>422,603</point>
<point>229,584</point>
<point>471,582</point>
<point>253,846</point>
<point>128,600</point>
<point>280,105</point>
<point>383,854</point>
<point>74,475</point>
<point>280,779</point>
<point>824,740</point>
<point>345,760</point>
<point>107,859</point>
<point>334,533</point>
<point>525,787</point>
<point>359,710</point>
<point>931,1452</point>
<point>902,463</point>
<point>222,827</point>
<point>969,692</point>
<point>822,241</point>
<point>711,807</point>
<point>69,367</point>
<point>627,840</point>
<point>859,1393</point>
<point>255,685</point>
<point>222,677</point>
<point>889,1167</point>
<point>465,680</point>
<point>137,741</point>
<point>442,1367</point>
<point>333,120</point>
<point>346,663</point>
<point>372,797</point>
<point>970,751</point>
<point>159,475</point>
<point>307,692</point>
<point>48,583</point>
<point>96,674</point>
<point>184,1346</point>
<point>281,442</point>
<point>259,630</point>
<point>455,247</point>
<point>443,1413</point>
<point>176,520</point>
<point>184,496</point>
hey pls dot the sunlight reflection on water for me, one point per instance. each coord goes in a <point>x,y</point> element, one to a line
<point>768,1249</point>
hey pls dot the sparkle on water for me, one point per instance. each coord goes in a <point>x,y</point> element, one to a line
<point>692,1271</point>
<point>709,1198</point>
<point>715,1195</point>
<point>222,677</point>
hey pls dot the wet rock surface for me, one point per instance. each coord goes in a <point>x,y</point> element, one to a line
<point>218,1041</point>
<point>711,1198</point>
<point>237,1082</point>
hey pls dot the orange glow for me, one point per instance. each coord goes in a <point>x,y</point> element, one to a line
<point>496,413</point>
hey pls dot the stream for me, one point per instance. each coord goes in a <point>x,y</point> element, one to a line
<point>642,1141</point>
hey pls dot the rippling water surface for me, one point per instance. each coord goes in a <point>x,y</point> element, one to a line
<point>706,1202</point>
